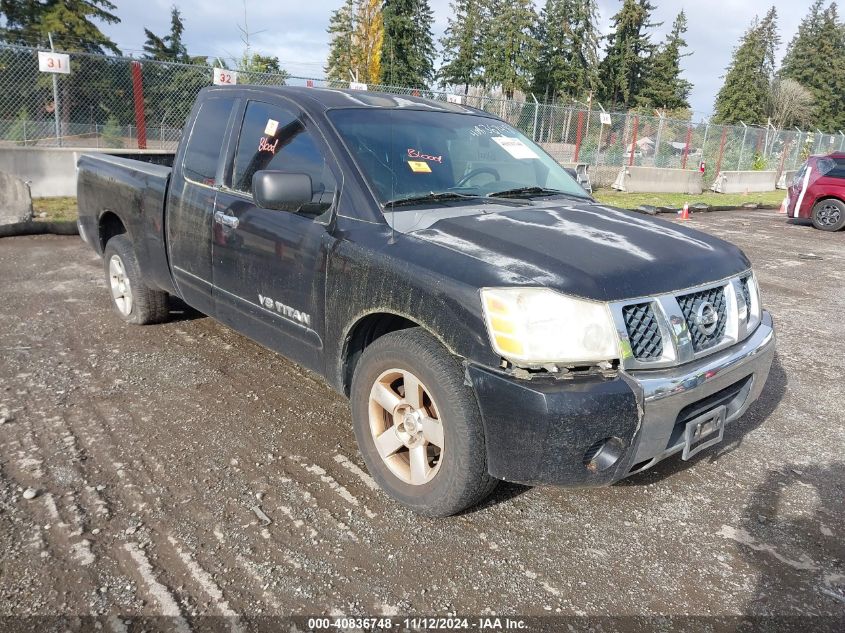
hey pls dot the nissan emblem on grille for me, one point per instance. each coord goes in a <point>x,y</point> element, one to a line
<point>707,317</point>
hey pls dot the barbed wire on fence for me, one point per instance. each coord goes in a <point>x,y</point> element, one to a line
<point>97,109</point>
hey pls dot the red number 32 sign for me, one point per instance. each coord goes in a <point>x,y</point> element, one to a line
<point>223,77</point>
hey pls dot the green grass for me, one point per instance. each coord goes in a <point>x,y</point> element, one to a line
<point>56,209</point>
<point>676,200</point>
<point>59,209</point>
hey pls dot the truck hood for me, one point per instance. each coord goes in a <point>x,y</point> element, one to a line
<point>587,250</point>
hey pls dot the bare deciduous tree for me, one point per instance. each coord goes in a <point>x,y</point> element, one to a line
<point>790,103</point>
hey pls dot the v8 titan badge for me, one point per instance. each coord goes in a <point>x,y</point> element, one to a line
<point>419,167</point>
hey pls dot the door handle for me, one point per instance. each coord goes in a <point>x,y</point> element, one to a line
<point>226,220</point>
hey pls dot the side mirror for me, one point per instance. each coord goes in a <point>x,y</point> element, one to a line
<point>281,191</point>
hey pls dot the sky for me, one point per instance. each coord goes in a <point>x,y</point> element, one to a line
<point>295,31</point>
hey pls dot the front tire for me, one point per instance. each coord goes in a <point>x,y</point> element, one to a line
<point>418,426</point>
<point>829,214</point>
<point>133,301</point>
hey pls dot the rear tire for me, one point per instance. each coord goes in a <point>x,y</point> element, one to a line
<point>133,301</point>
<point>430,453</point>
<point>829,215</point>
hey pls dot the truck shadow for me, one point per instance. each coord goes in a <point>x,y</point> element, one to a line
<point>504,492</point>
<point>181,311</point>
<point>735,432</point>
<point>791,534</point>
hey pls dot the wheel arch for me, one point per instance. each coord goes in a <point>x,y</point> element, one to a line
<point>366,329</point>
<point>109,225</point>
<point>828,196</point>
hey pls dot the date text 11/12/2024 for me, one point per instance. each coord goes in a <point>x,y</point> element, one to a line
<point>487,623</point>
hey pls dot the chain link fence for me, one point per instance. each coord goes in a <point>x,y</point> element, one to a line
<point>100,106</point>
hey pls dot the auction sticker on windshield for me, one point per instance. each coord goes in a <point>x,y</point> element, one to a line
<point>515,147</point>
<point>419,167</point>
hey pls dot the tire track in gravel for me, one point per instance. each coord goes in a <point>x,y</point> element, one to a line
<point>193,517</point>
<point>60,519</point>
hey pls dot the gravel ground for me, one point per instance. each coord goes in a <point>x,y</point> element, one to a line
<point>149,448</point>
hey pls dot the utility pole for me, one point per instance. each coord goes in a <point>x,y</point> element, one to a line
<point>245,38</point>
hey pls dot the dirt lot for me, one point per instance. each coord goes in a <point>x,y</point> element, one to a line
<point>149,447</point>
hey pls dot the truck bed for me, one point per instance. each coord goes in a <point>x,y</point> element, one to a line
<point>134,190</point>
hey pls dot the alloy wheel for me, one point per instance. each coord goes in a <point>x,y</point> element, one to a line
<point>406,426</point>
<point>121,290</point>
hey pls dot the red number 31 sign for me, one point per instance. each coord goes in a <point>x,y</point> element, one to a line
<point>54,63</point>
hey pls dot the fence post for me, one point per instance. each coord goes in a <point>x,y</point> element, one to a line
<point>536,112</point>
<point>567,125</point>
<point>24,132</point>
<point>97,134</point>
<point>634,140</point>
<point>742,147</point>
<point>138,89</point>
<point>721,150</point>
<point>686,147</point>
<point>658,138</point>
<point>56,107</point>
<point>782,159</point>
<point>578,135</point>
<point>841,142</point>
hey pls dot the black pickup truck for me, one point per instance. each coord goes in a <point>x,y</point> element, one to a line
<point>486,317</point>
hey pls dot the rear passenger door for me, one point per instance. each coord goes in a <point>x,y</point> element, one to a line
<point>269,265</point>
<point>190,205</point>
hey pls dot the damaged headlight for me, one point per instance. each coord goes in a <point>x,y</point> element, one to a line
<point>538,326</point>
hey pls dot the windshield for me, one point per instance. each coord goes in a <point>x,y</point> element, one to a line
<point>408,155</point>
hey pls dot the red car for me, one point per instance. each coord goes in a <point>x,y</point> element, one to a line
<point>818,192</point>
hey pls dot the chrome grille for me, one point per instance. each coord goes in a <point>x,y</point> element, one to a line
<point>643,331</point>
<point>746,293</point>
<point>690,305</point>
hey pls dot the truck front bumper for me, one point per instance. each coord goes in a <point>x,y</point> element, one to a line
<point>593,431</point>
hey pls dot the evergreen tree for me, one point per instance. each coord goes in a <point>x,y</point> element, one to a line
<point>567,59</point>
<point>664,87</point>
<point>71,22</point>
<point>22,19</point>
<point>408,49</point>
<point>508,45</point>
<point>342,31</point>
<point>169,48</point>
<point>113,133</point>
<point>74,28</point>
<point>815,59</point>
<point>627,61</point>
<point>745,92</point>
<point>252,62</point>
<point>461,45</point>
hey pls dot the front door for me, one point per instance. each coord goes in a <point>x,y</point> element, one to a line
<point>269,265</point>
<point>190,204</point>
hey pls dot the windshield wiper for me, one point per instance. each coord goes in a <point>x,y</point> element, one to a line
<point>434,196</point>
<point>533,191</point>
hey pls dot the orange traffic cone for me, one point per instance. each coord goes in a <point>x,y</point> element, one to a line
<point>684,212</point>
<point>784,205</point>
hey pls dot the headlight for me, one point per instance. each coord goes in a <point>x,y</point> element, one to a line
<point>755,310</point>
<point>537,326</point>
